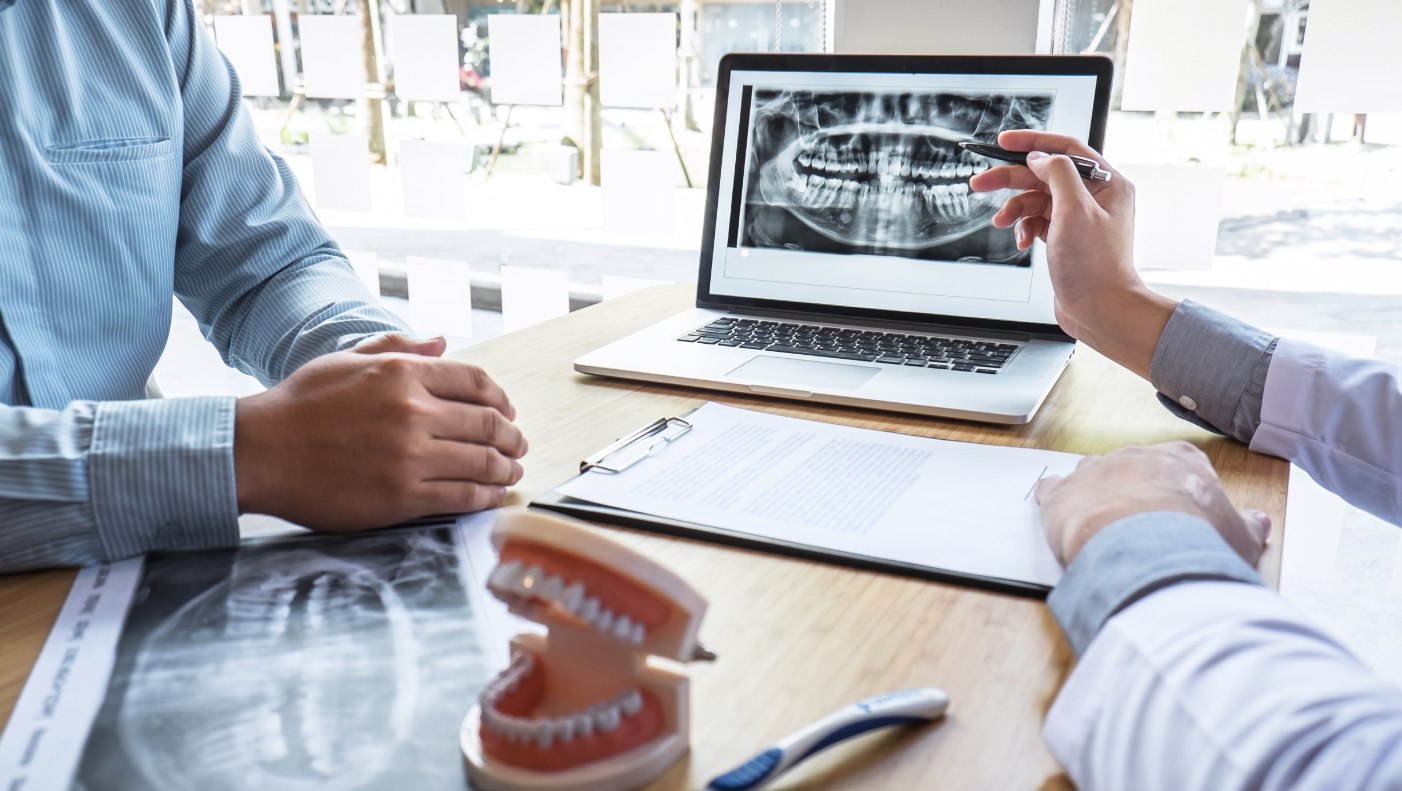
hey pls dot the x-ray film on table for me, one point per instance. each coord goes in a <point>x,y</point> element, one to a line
<point>880,172</point>
<point>326,662</point>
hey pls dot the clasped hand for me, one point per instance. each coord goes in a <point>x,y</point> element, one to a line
<point>374,436</point>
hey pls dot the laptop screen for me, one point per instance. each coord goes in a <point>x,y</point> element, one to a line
<point>847,188</point>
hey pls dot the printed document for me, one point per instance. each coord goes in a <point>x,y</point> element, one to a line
<point>955,506</point>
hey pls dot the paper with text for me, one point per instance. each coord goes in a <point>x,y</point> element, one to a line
<point>947,505</point>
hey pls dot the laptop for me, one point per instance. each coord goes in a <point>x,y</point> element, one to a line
<point>844,258</point>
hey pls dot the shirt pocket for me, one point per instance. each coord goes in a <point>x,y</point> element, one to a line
<point>127,149</point>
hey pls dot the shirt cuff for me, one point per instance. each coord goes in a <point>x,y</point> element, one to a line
<point>1210,369</point>
<point>161,475</point>
<point>1134,557</point>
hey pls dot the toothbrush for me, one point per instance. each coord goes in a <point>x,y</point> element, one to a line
<point>904,707</point>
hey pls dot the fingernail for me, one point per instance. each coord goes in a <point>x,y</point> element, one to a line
<point>1033,156</point>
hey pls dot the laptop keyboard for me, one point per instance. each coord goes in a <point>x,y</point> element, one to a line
<point>890,348</point>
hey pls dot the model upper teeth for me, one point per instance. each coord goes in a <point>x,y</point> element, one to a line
<point>512,580</point>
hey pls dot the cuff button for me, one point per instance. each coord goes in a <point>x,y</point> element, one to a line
<point>1188,403</point>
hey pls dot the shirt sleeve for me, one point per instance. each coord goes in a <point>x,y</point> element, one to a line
<point>1224,686</point>
<point>1133,557</point>
<point>267,284</point>
<point>101,481</point>
<point>1210,369</point>
<point>1336,417</point>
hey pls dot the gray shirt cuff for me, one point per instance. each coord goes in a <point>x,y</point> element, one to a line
<point>1210,369</point>
<point>1132,558</point>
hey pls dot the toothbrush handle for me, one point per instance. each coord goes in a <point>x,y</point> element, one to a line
<point>909,706</point>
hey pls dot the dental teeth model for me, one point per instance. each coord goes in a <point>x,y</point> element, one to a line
<point>580,708</point>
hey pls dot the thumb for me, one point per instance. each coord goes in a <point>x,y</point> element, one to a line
<point>1059,174</point>
<point>1258,522</point>
<point>1045,486</point>
<point>398,342</point>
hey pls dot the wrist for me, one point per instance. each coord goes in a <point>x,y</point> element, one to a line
<point>251,473</point>
<point>1126,326</point>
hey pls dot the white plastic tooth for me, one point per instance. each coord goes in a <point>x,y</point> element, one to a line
<point>589,610</point>
<point>638,634</point>
<point>573,597</point>
<point>504,574</point>
<point>607,717</point>
<point>564,729</point>
<point>630,702</point>
<point>584,724</point>
<point>604,620</point>
<point>623,627</point>
<point>552,588</point>
<point>530,581</point>
<point>544,733</point>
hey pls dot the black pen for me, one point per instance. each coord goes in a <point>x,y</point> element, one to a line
<point>1088,168</point>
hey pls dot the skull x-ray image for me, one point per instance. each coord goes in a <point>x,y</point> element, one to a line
<point>323,663</point>
<point>880,173</point>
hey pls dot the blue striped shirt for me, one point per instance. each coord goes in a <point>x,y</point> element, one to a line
<point>129,170</point>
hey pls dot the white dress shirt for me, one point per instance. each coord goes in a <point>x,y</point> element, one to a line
<point>1191,674</point>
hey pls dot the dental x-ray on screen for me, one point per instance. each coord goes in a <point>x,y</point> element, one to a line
<point>880,172</point>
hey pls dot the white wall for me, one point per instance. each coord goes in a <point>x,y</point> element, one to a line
<point>954,27</point>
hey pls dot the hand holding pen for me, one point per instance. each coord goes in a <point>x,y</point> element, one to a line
<point>1088,227</point>
<point>1088,168</point>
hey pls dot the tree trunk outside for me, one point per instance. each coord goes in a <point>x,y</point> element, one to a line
<point>1121,50</point>
<point>287,46</point>
<point>582,83</point>
<point>371,109</point>
<point>1243,77</point>
<point>689,64</point>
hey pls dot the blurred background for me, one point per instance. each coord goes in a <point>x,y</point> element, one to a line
<point>490,164</point>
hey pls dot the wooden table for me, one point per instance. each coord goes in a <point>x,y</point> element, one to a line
<point>798,638</point>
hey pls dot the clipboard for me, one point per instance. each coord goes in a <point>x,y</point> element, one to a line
<point>655,437</point>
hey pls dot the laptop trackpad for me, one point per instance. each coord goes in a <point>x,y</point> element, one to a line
<point>808,374</point>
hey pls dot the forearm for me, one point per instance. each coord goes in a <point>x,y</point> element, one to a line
<point>1337,418</point>
<point>1329,413</point>
<point>1222,685</point>
<point>102,481</point>
<point>313,308</point>
<point>253,264</point>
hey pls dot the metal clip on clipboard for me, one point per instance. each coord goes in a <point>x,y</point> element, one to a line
<point>637,446</point>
